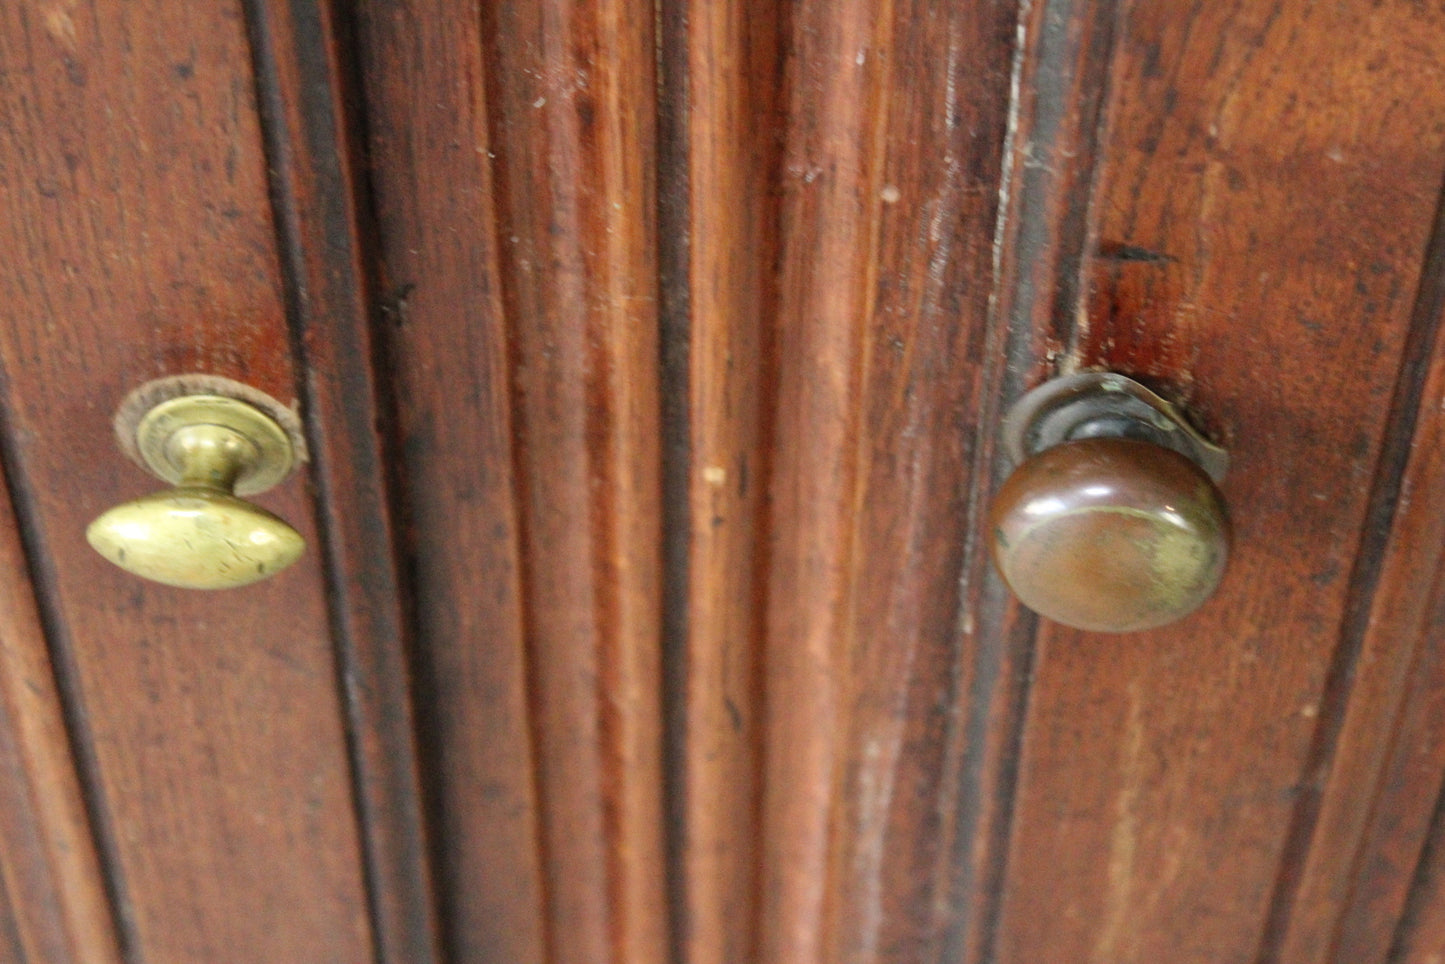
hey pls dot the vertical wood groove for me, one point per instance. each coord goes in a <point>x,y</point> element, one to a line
<point>535,689</point>
<point>1372,561</point>
<point>303,86</point>
<point>1062,52</point>
<point>675,408</point>
<point>896,121</point>
<point>427,90</point>
<point>821,319</point>
<point>571,83</point>
<point>843,917</point>
<point>1420,915</point>
<point>1067,57</point>
<point>89,888</point>
<point>720,81</point>
<point>541,115</point>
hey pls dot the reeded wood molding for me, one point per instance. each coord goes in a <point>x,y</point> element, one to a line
<point>827,237</point>
<point>53,875</point>
<point>571,114</point>
<point>719,88</point>
<point>895,120</point>
<point>514,173</point>
<point>305,89</point>
<point>445,341</point>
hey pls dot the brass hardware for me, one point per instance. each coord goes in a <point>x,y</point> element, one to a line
<point>199,535</point>
<point>1101,405</point>
<point>1112,521</point>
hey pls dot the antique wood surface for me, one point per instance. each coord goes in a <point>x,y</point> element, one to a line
<point>571,111</point>
<point>1421,933</point>
<point>718,168</point>
<point>304,75</point>
<point>139,243</point>
<point>56,903</point>
<point>1256,241</point>
<point>447,351</point>
<point>460,541</point>
<point>892,145</point>
<point>1379,799</point>
<point>652,357</point>
<point>514,159</point>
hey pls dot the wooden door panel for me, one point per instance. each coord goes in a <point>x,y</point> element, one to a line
<point>1266,196</point>
<point>1358,845</point>
<point>140,243</point>
<point>651,357</point>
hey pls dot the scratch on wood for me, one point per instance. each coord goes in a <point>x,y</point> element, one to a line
<point>1131,252</point>
<point>60,24</point>
<point>1124,842</point>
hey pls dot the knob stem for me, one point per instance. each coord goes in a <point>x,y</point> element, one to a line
<point>211,456</point>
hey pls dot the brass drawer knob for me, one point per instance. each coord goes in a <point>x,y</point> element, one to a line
<point>199,535</point>
<point>1112,521</point>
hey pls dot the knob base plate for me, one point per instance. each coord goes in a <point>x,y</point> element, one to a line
<point>1103,405</point>
<point>274,459</point>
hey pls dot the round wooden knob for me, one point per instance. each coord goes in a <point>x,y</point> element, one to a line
<point>1110,534</point>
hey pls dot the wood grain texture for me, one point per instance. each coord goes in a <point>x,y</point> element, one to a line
<point>930,356</point>
<point>54,885</point>
<point>1265,199</point>
<point>304,74</point>
<point>448,360</point>
<point>1420,938</point>
<point>896,116</point>
<point>1061,75</point>
<point>720,85</point>
<point>572,123</point>
<point>1387,753</point>
<point>140,244</point>
<point>832,176</point>
<point>1062,55</point>
<point>652,357</point>
<point>545,148</point>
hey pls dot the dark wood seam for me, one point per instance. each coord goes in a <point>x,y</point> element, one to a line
<point>41,575</point>
<point>674,361</point>
<point>1424,329</point>
<point>395,876</point>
